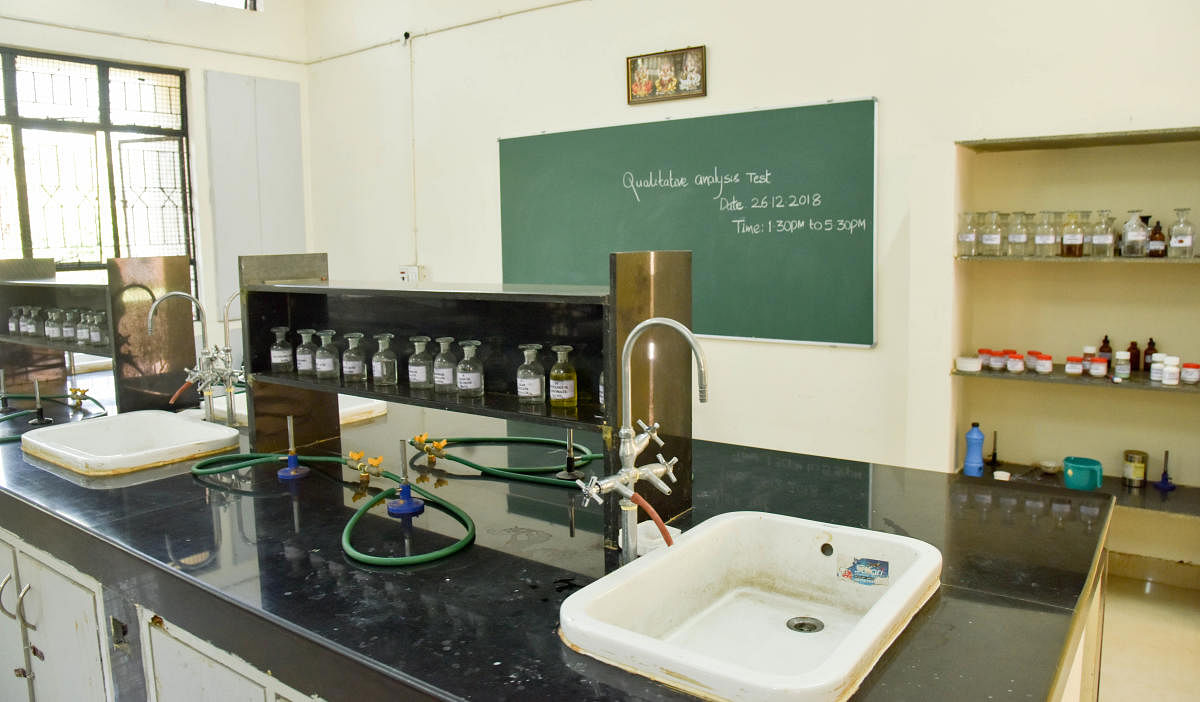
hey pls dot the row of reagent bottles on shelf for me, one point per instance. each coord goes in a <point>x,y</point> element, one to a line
<point>1073,234</point>
<point>72,326</point>
<point>1158,367</point>
<point>442,373</point>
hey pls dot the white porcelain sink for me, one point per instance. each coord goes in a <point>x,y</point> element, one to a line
<point>715,614</point>
<point>351,409</point>
<point>123,443</point>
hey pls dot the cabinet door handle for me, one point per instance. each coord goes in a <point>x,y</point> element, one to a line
<point>21,608</point>
<point>4,584</point>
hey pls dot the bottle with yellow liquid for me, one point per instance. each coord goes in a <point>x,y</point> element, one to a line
<point>562,380</point>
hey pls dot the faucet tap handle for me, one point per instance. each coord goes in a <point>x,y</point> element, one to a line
<point>591,491</point>
<point>648,474</point>
<point>669,466</point>
<point>651,431</point>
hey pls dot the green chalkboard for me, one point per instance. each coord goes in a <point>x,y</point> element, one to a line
<point>777,205</point>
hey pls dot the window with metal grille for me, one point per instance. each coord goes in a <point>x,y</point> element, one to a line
<point>93,160</point>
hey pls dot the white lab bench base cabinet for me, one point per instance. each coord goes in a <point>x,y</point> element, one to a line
<point>54,634</point>
<point>183,668</point>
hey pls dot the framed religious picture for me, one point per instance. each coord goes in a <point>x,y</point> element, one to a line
<point>666,75</point>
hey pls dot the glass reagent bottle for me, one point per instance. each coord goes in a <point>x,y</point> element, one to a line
<point>281,352</point>
<point>531,377</point>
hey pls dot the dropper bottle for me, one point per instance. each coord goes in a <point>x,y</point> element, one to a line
<point>469,371</point>
<point>354,362</point>
<point>328,357</point>
<point>420,365</point>
<point>443,366</point>
<point>562,379</point>
<point>531,377</point>
<point>281,352</point>
<point>383,363</point>
<point>306,353</point>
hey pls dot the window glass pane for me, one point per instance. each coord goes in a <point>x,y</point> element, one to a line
<point>144,98</point>
<point>54,89</point>
<point>148,172</point>
<point>10,219</point>
<point>63,174</point>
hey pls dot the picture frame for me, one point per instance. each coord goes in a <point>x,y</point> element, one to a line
<point>666,75</point>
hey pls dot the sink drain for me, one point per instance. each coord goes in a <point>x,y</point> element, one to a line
<point>805,625</point>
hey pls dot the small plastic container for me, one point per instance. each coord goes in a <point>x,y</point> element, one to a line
<point>1156,367</point>
<point>985,357</point>
<point>1089,352</point>
<point>1171,371</point>
<point>1074,365</point>
<point>1099,367</point>
<point>997,361</point>
<point>968,364</point>
<point>1045,364</point>
<point>1190,373</point>
<point>1016,363</point>
<point>1121,365</point>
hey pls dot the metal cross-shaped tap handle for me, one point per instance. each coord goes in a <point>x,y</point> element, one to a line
<point>591,491</point>
<point>669,466</point>
<point>651,431</point>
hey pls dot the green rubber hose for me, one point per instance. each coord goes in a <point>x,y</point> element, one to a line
<point>518,473</point>
<point>237,461</point>
<point>433,500</point>
<point>14,415</point>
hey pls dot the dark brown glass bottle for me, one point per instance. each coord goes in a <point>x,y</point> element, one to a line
<point>1151,349</point>
<point>1105,350</point>
<point>1156,247</point>
<point>1135,357</point>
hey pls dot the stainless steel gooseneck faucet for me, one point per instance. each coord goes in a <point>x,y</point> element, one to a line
<point>633,445</point>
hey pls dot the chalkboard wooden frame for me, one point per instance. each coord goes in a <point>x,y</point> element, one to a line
<point>564,208</point>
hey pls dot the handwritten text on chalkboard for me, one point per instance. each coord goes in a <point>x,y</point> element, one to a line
<point>646,184</point>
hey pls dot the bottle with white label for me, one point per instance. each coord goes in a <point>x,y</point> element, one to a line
<point>1045,236</point>
<point>531,377</point>
<point>354,361</point>
<point>991,235</point>
<point>1102,238</point>
<point>420,365</point>
<point>83,330</point>
<point>967,235</point>
<point>469,371</point>
<point>99,330</point>
<point>306,353</point>
<point>1017,241</point>
<point>281,352</point>
<point>1182,235</point>
<point>23,322</point>
<point>14,321</point>
<point>70,319</point>
<point>1072,236</point>
<point>54,325</point>
<point>1134,236</point>
<point>562,379</point>
<point>383,364</point>
<point>443,366</point>
<point>328,358</point>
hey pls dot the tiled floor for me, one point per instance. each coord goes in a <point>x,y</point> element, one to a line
<point>1151,642</point>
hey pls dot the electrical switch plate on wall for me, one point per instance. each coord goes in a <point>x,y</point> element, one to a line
<point>411,274</point>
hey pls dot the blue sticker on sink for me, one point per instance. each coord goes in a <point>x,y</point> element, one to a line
<point>864,571</point>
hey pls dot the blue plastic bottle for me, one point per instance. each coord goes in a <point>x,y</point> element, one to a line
<point>973,466</point>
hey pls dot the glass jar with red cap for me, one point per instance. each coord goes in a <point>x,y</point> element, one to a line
<point>1074,365</point>
<point>1190,373</point>
<point>1016,363</point>
<point>1045,364</point>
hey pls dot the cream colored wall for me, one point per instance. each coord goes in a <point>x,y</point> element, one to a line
<point>943,72</point>
<point>177,34</point>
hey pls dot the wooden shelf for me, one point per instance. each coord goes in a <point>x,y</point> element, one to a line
<point>43,343</point>
<point>501,406</point>
<point>1086,259</point>
<point>1140,381</point>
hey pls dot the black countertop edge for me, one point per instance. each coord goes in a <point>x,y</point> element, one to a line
<point>1184,499</point>
<point>224,621</point>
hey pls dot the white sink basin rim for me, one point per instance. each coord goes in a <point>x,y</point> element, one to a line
<point>123,443</point>
<point>756,606</point>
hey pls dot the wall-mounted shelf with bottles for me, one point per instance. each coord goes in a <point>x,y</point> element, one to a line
<point>1067,259</point>
<point>1058,376</point>
<point>147,370</point>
